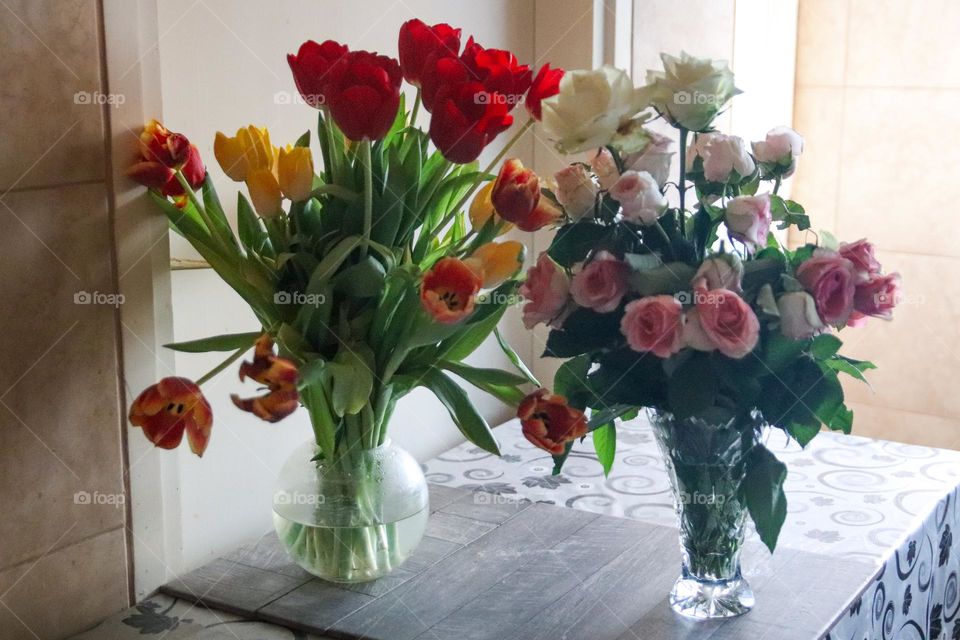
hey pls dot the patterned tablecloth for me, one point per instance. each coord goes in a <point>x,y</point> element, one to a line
<point>891,504</point>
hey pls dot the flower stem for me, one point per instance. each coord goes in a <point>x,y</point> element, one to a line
<point>682,183</point>
<point>776,185</point>
<point>223,365</point>
<point>416,109</point>
<point>202,210</point>
<point>367,196</point>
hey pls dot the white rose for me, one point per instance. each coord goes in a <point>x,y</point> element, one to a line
<point>726,159</point>
<point>798,315</point>
<point>779,152</point>
<point>655,158</point>
<point>589,109</point>
<point>639,197</point>
<point>697,147</point>
<point>690,92</point>
<point>605,167</point>
<point>576,190</point>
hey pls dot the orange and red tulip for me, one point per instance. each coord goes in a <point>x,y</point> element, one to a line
<point>171,407</point>
<point>549,422</point>
<point>280,377</point>
<point>449,290</point>
<point>516,197</point>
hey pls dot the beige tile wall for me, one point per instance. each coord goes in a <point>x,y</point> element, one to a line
<point>63,563</point>
<point>878,90</point>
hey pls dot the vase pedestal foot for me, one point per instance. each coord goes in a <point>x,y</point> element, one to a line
<point>711,599</point>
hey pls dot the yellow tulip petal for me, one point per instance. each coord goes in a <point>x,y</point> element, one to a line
<point>230,156</point>
<point>264,192</point>
<point>497,261</point>
<point>295,173</point>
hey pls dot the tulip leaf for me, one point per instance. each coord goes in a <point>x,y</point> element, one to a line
<point>304,140</point>
<point>253,235</point>
<point>225,342</point>
<point>500,384</point>
<point>362,280</point>
<point>351,374</point>
<point>514,358</point>
<point>471,424</point>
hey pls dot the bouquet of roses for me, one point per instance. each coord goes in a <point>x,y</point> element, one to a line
<point>697,312</point>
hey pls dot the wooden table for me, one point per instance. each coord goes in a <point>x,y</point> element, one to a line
<point>490,568</point>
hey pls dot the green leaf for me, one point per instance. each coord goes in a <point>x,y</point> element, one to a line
<point>225,342</point>
<point>693,386</point>
<point>570,381</point>
<point>853,368</point>
<point>764,494</point>
<point>304,140</point>
<point>253,235</point>
<point>558,460</point>
<point>464,414</point>
<point>514,358</point>
<point>573,242</point>
<point>824,346</point>
<point>362,280</point>
<point>478,375</point>
<point>605,444</point>
<point>351,373</point>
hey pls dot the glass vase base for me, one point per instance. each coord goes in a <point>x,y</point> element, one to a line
<point>711,599</point>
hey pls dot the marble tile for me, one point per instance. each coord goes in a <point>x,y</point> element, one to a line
<point>896,153</point>
<point>65,592</point>
<point>50,79</point>
<point>59,395</point>
<point>918,353</point>
<point>904,43</point>
<point>822,42</point>
<point>885,423</point>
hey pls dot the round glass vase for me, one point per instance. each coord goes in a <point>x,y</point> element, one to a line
<point>354,519</point>
<point>706,462</point>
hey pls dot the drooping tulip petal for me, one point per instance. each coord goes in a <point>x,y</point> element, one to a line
<point>497,261</point>
<point>280,377</point>
<point>168,408</point>
<point>549,423</point>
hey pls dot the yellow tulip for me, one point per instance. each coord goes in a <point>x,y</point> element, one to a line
<point>250,149</point>
<point>295,170</point>
<point>481,209</point>
<point>497,261</point>
<point>265,192</point>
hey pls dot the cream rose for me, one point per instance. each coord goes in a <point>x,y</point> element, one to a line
<point>589,109</point>
<point>605,168</point>
<point>690,91</point>
<point>655,158</point>
<point>798,315</point>
<point>639,197</point>
<point>576,190</point>
<point>778,153</point>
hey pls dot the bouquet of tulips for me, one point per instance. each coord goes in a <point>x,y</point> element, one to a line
<point>697,312</point>
<point>371,275</point>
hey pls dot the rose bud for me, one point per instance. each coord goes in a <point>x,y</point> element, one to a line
<point>831,280</point>
<point>654,158</point>
<point>545,84</point>
<point>798,315</point>
<point>748,219</point>
<point>861,254</point>
<point>546,290</point>
<point>778,153</point>
<point>601,284</point>
<point>549,423</point>
<point>878,296</point>
<point>653,324</point>
<point>316,67</point>
<point>364,99</point>
<point>280,377</point>
<point>725,159</point>
<point>497,261</point>
<point>466,118</point>
<point>448,291</point>
<point>639,197</point>
<point>171,407</point>
<point>295,173</point>
<point>576,191</point>
<point>516,197</point>
<point>420,45</point>
<point>723,271</point>
<point>727,322</point>
<point>605,168</point>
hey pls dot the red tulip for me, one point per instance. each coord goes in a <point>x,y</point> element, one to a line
<point>446,73</point>
<point>517,199</point>
<point>549,423</point>
<point>546,84</point>
<point>420,46</point>
<point>498,70</point>
<point>449,290</point>
<point>161,154</point>
<point>280,377</point>
<point>466,119</point>
<point>315,67</point>
<point>170,407</point>
<point>365,98</point>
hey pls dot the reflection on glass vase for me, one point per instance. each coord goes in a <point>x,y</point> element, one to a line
<point>706,462</point>
<point>354,519</point>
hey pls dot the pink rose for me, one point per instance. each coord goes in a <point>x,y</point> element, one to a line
<point>576,190</point>
<point>605,167</point>
<point>719,272</point>
<point>878,296</point>
<point>778,153</point>
<point>727,322</point>
<point>726,159</point>
<point>653,324</point>
<point>748,219</point>
<point>600,285</point>
<point>655,158</point>
<point>546,291</point>
<point>693,334</point>
<point>860,253</point>
<point>798,315</point>
<point>830,279</point>
<point>639,197</point>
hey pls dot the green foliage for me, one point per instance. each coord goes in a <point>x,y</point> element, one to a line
<point>765,498</point>
<point>225,342</point>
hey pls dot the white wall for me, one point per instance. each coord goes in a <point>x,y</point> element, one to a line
<point>222,64</point>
